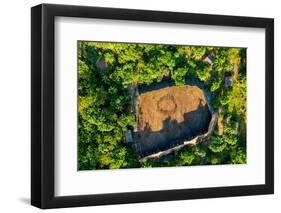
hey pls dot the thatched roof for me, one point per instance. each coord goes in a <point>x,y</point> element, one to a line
<point>168,116</point>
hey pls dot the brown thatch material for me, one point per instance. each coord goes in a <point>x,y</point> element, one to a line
<point>169,115</point>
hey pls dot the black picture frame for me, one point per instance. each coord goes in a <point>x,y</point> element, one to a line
<point>43,102</point>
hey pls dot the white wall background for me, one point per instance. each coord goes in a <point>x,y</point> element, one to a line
<point>15,105</point>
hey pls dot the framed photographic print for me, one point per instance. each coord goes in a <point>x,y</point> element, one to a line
<point>140,106</point>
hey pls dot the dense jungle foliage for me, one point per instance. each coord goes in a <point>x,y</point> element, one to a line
<point>104,100</point>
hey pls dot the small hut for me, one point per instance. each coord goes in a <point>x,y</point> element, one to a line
<point>101,63</point>
<point>228,81</point>
<point>208,60</point>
